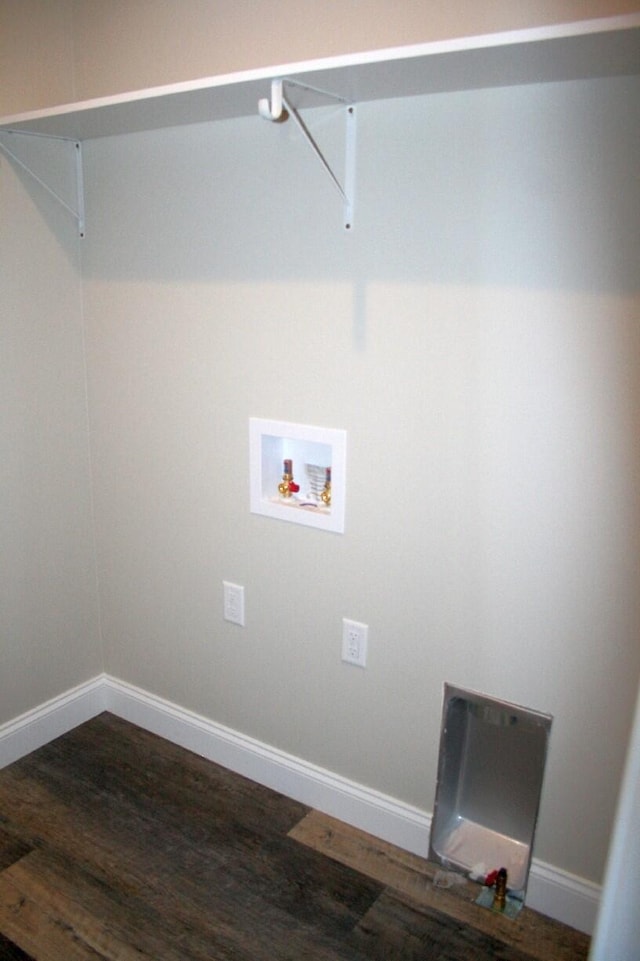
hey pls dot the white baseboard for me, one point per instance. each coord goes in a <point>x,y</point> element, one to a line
<point>36,728</point>
<point>563,896</point>
<point>369,810</point>
<point>553,892</point>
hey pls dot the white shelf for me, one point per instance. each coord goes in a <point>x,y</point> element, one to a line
<point>592,48</point>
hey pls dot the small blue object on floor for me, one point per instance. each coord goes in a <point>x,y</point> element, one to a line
<point>512,906</point>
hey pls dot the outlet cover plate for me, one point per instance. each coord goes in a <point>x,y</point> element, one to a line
<point>354,642</point>
<point>233,603</point>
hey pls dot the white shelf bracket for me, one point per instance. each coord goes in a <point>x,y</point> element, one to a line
<point>273,109</point>
<point>9,137</point>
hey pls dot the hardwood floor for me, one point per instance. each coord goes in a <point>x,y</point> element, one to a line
<point>117,845</point>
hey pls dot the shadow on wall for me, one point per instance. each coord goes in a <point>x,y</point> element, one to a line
<point>532,186</point>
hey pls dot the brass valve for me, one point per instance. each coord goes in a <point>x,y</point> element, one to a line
<point>287,486</point>
<point>325,496</point>
<point>500,897</point>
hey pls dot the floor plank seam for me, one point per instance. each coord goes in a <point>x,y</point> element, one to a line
<point>118,845</point>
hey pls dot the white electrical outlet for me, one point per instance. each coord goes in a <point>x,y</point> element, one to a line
<point>233,603</point>
<point>354,642</point>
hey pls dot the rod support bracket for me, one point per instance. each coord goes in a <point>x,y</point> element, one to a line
<point>13,137</point>
<point>273,109</point>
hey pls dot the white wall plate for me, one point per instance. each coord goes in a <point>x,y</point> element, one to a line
<point>311,450</point>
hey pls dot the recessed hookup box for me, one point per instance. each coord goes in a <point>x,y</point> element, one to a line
<point>490,773</point>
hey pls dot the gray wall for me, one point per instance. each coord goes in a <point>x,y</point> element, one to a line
<point>477,336</point>
<point>49,632</point>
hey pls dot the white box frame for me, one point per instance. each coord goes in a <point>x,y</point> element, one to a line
<point>270,442</point>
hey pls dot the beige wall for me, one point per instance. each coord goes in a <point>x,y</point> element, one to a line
<point>36,54</point>
<point>58,51</point>
<point>199,38</point>
<point>49,633</point>
<point>478,337</point>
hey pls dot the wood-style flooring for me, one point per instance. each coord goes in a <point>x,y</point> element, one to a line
<point>116,845</point>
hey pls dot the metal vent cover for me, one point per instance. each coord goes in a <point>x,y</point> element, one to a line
<point>490,773</point>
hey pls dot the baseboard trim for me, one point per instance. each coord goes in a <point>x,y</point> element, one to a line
<point>563,896</point>
<point>332,794</point>
<point>553,892</point>
<point>37,727</point>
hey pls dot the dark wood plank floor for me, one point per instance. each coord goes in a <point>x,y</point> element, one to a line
<point>117,845</point>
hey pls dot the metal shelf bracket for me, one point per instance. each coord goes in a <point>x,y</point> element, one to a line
<point>13,137</point>
<point>274,109</point>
